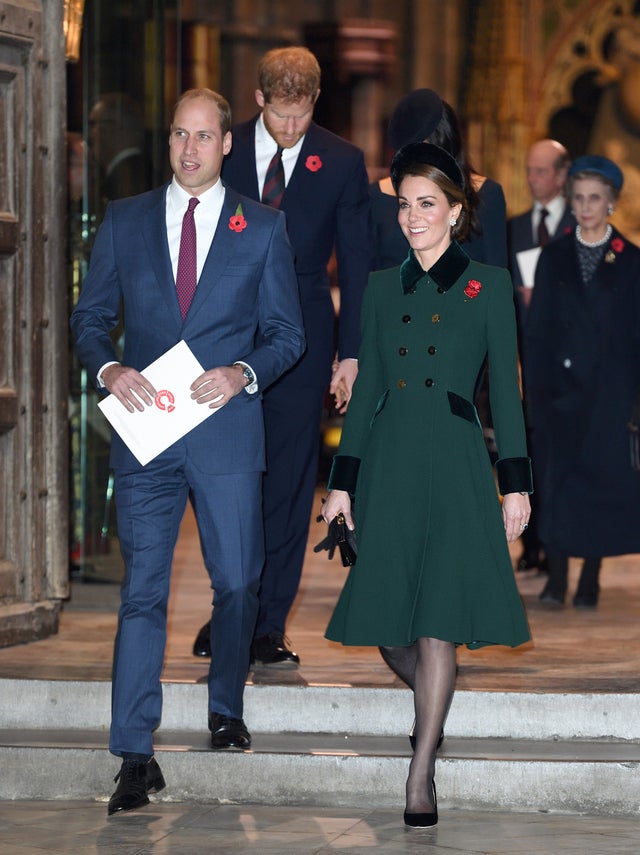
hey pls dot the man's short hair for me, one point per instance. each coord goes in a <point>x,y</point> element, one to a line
<point>289,73</point>
<point>221,103</point>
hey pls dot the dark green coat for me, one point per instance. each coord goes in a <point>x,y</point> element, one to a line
<point>433,556</point>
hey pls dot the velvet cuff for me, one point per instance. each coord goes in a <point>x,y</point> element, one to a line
<point>514,475</point>
<point>344,473</point>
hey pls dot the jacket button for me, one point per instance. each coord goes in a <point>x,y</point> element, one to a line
<point>406,319</point>
<point>440,290</point>
<point>567,363</point>
<point>431,350</point>
<point>429,382</point>
<point>402,384</point>
<point>403,351</point>
<point>435,319</point>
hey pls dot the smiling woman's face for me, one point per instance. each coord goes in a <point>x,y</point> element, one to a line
<point>425,215</point>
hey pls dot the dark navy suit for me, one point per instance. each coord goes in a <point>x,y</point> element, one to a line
<point>326,203</point>
<point>245,307</point>
<point>520,232</point>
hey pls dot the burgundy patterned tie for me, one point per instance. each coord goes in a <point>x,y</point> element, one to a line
<point>187,274</point>
<point>273,189</point>
<point>543,231</point>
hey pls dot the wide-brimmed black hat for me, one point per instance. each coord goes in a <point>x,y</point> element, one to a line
<point>415,117</point>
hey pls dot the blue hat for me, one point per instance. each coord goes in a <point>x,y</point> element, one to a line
<point>415,118</point>
<point>600,166</point>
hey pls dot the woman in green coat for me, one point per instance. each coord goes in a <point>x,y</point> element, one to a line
<point>433,568</point>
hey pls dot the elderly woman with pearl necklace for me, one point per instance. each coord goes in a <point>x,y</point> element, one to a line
<point>582,384</point>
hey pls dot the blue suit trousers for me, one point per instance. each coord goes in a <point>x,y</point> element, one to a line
<point>150,505</point>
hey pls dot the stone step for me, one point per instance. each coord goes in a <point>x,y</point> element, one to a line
<point>56,704</point>
<point>334,770</point>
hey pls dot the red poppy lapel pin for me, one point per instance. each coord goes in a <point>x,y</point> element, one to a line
<point>617,245</point>
<point>472,289</point>
<point>313,163</point>
<point>237,222</point>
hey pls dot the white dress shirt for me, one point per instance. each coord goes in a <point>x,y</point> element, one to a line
<point>555,208</point>
<point>266,147</point>
<point>205,215</point>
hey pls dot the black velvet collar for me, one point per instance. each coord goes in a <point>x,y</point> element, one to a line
<point>447,269</point>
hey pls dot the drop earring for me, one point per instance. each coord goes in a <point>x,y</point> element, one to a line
<point>610,210</point>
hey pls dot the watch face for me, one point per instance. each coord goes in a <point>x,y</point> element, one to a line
<point>248,373</point>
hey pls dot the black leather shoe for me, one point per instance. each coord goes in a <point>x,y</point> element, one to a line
<point>550,597</point>
<point>135,780</point>
<point>423,820</point>
<point>202,644</point>
<point>227,732</point>
<point>585,601</point>
<point>272,650</point>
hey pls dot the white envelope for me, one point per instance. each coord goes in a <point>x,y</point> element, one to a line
<point>527,263</point>
<point>172,415</point>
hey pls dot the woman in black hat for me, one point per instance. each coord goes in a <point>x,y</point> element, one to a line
<point>433,568</point>
<point>582,376</point>
<point>422,116</point>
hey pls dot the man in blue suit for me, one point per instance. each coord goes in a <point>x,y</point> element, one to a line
<point>325,197</point>
<point>244,326</point>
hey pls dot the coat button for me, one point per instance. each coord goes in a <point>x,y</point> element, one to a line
<point>567,363</point>
<point>440,290</point>
<point>402,384</point>
<point>431,350</point>
<point>406,319</point>
<point>429,382</point>
<point>435,319</point>
<point>403,351</point>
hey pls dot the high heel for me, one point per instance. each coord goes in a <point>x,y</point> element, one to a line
<point>423,820</point>
<point>412,737</point>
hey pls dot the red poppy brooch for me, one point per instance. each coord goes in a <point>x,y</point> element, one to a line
<point>313,163</point>
<point>617,245</point>
<point>473,288</point>
<point>237,222</point>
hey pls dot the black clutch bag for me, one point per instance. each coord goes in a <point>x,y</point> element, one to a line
<point>342,537</point>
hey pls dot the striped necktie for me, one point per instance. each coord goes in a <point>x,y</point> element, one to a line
<point>273,189</point>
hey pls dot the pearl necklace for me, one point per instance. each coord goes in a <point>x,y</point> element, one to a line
<point>600,242</point>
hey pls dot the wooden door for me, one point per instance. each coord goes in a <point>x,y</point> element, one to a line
<point>33,321</point>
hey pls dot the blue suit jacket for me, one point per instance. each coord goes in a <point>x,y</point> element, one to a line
<point>326,208</point>
<point>246,307</point>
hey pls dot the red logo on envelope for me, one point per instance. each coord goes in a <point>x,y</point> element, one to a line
<point>160,401</point>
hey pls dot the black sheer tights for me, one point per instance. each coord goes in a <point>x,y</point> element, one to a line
<point>429,668</point>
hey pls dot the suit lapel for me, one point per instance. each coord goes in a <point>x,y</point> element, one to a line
<point>154,231</point>
<point>303,180</point>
